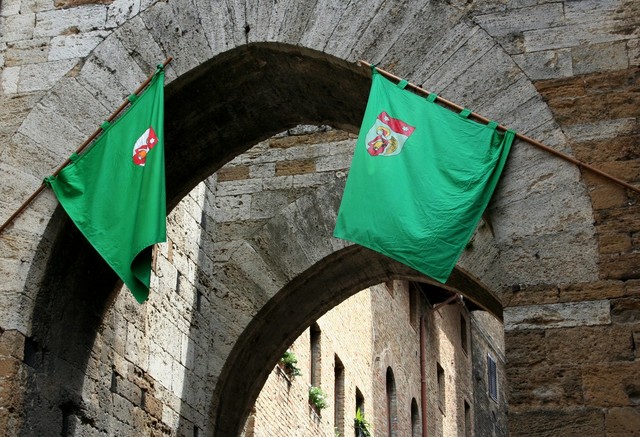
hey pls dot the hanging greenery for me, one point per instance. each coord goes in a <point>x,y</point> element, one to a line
<point>289,362</point>
<point>361,425</point>
<point>317,397</point>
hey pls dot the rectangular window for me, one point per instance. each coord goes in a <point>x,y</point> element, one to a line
<point>414,305</point>
<point>467,419</point>
<point>338,403</point>
<point>441,388</point>
<point>463,334</point>
<point>316,355</point>
<point>492,378</point>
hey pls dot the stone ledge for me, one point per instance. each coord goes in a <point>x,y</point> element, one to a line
<point>558,315</point>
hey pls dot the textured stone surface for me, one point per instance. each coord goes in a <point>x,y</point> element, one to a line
<point>557,315</point>
<point>558,235</point>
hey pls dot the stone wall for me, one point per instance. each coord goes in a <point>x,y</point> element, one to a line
<point>559,254</point>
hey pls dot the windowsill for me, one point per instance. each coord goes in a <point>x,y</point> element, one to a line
<point>282,373</point>
<point>315,413</point>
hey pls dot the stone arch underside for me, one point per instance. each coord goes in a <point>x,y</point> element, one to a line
<point>287,300</point>
<point>224,99</point>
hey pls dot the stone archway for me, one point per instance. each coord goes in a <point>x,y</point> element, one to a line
<point>282,312</point>
<point>310,85</point>
<point>540,235</point>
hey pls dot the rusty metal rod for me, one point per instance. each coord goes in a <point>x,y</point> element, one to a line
<point>80,149</point>
<point>524,138</point>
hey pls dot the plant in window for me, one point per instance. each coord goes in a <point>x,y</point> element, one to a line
<point>317,398</point>
<point>361,425</point>
<point>288,362</point>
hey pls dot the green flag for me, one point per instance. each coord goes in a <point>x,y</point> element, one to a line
<point>115,191</point>
<point>420,178</point>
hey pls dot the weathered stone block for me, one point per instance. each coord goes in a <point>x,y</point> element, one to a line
<point>35,77</point>
<point>612,384</point>
<point>334,162</point>
<point>606,129</point>
<point>525,348</point>
<point>238,187</point>
<point>517,295</point>
<point>17,27</point>
<point>287,168</point>
<point>31,51</point>
<point>177,28</point>
<point>620,266</point>
<point>75,45</point>
<point>544,386</point>
<point>608,195</point>
<point>615,242</point>
<point>570,35</point>
<point>633,47</point>
<point>625,310</point>
<point>12,344</point>
<point>519,19</point>
<point>596,290</point>
<point>557,315</point>
<point>70,21</point>
<point>569,422</point>
<point>278,183</point>
<point>589,344</point>
<point>9,367</point>
<point>267,203</point>
<point>545,65</point>
<point>622,421</point>
<point>9,79</point>
<point>602,57</point>
<point>10,7</point>
<point>232,173</point>
<point>266,170</point>
<point>120,11</point>
<point>232,208</point>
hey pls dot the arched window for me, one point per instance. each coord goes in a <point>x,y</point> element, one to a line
<point>338,403</point>
<point>415,419</point>
<point>316,355</point>
<point>392,405</point>
<point>359,400</point>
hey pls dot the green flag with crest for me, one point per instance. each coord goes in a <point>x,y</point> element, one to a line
<point>420,179</point>
<point>115,191</point>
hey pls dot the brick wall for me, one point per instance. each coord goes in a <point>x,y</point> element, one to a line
<point>283,409</point>
<point>371,332</point>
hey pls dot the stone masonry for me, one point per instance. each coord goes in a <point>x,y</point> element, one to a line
<point>556,257</point>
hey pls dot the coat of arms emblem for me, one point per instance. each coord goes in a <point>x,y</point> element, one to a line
<point>387,135</point>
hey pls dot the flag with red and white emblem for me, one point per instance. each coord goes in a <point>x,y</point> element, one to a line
<point>115,191</point>
<point>420,178</point>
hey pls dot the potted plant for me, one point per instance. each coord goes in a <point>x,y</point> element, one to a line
<point>317,398</point>
<point>288,363</point>
<point>361,425</point>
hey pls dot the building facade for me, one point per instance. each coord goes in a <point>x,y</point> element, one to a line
<point>365,354</point>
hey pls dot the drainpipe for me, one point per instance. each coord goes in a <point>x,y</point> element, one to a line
<point>423,372</point>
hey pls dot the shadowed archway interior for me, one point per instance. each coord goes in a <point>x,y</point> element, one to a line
<point>214,113</point>
<point>300,303</point>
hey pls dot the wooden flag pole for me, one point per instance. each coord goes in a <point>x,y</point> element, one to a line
<point>524,138</point>
<point>81,148</point>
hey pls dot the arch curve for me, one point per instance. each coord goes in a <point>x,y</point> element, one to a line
<point>222,105</point>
